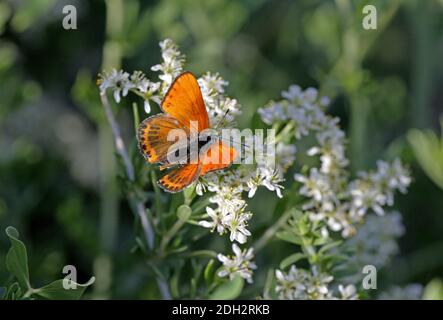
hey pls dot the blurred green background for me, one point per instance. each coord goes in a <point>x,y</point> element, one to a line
<point>58,182</point>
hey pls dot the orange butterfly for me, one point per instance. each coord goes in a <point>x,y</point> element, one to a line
<point>183,109</point>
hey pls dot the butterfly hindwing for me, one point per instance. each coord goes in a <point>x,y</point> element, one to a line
<point>216,157</point>
<point>184,102</point>
<point>180,178</point>
<point>153,137</point>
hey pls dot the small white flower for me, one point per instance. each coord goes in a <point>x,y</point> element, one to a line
<point>375,243</point>
<point>364,198</point>
<point>316,186</point>
<point>147,106</point>
<point>200,188</point>
<point>293,93</point>
<point>324,101</point>
<point>240,264</point>
<point>310,95</point>
<point>273,113</point>
<point>300,284</point>
<point>172,64</point>
<point>212,84</point>
<point>394,175</point>
<point>118,82</point>
<point>348,292</point>
<point>267,177</point>
<point>237,225</point>
<point>216,223</point>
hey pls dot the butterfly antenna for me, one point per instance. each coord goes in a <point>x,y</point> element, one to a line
<point>221,120</point>
<point>232,141</point>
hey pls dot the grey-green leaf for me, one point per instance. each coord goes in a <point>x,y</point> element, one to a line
<point>289,237</point>
<point>293,258</point>
<point>56,291</point>
<point>17,259</point>
<point>228,290</point>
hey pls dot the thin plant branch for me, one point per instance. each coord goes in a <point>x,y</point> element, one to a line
<point>149,233</point>
<point>140,206</point>
<point>271,231</point>
<point>119,143</point>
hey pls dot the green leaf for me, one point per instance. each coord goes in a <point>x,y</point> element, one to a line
<point>207,273</point>
<point>268,285</point>
<point>14,292</point>
<point>289,237</point>
<point>433,290</point>
<point>174,283</point>
<point>56,291</point>
<point>193,289</point>
<point>228,290</point>
<point>29,13</point>
<point>320,241</point>
<point>329,246</point>
<point>293,258</point>
<point>303,227</point>
<point>17,259</point>
<point>428,150</point>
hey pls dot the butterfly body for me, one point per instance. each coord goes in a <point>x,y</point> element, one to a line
<point>180,138</point>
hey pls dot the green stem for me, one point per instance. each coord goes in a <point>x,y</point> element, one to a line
<point>200,205</point>
<point>169,235</point>
<point>423,62</point>
<point>206,253</point>
<point>136,117</point>
<point>284,132</point>
<point>112,54</point>
<point>271,231</point>
<point>360,108</point>
<point>268,284</point>
<point>30,292</point>
<point>158,202</point>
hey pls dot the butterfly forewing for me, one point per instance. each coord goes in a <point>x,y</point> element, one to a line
<point>184,102</point>
<point>153,139</point>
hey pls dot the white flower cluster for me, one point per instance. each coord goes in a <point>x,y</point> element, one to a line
<point>172,64</point>
<point>335,203</point>
<point>374,244</point>
<point>305,111</point>
<point>219,106</point>
<point>300,284</point>
<point>240,264</point>
<point>374,190</point>
<point>121,82</point>
<point>228,188</point>
<point>332,198</point>
<point>235,220</point>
